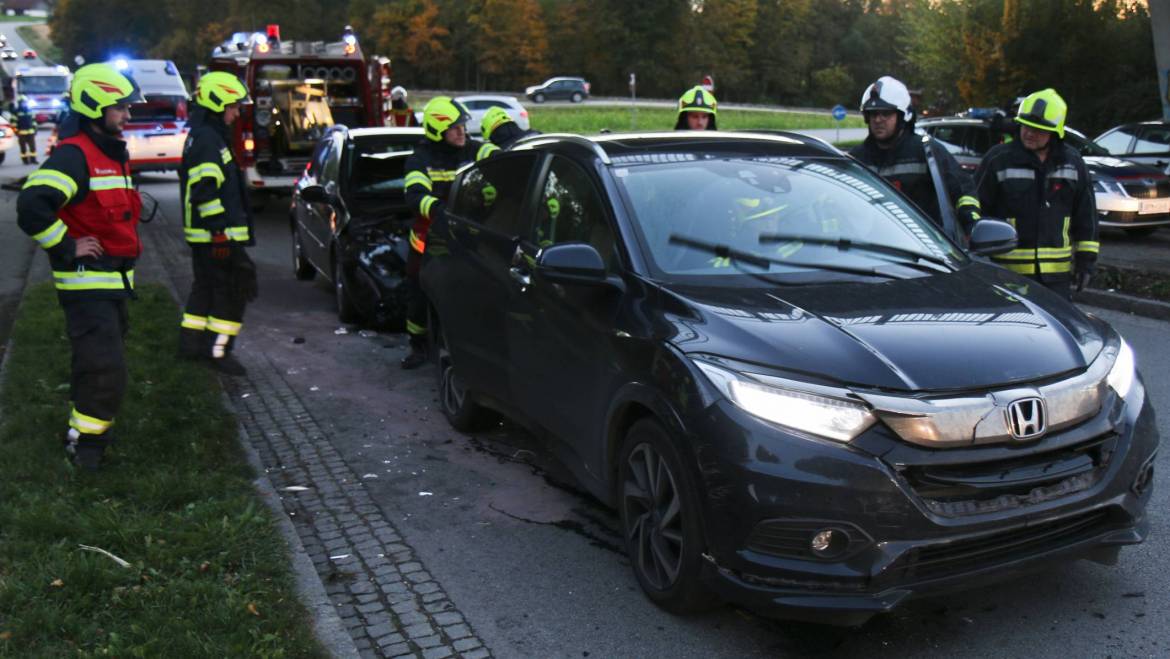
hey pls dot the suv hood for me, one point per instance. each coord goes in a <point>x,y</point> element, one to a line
<point>977,328</point>
<point>1115,167</point>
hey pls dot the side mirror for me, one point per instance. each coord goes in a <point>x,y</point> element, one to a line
<point>315,194</point>
<point>571,263</point>
<point>993,237</point>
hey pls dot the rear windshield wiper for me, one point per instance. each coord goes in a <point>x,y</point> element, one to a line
<point>844,244</point>
<point>736,256</point>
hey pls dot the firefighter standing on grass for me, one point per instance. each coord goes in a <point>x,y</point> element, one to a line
<point>82,208</point>
<point>1041,186</point>
<point>430,170</point>
<point>26,132</point>
<point>217,222</point>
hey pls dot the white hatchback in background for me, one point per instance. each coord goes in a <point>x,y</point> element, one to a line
<point>158,127</point>
<point>479,104</point>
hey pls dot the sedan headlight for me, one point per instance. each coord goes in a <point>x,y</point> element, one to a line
<point>763,396</point>
<point>1124,370</point>
<point>1107,186</point>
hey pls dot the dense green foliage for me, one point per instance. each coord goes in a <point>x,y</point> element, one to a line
<point>208,572</point>
<point>1097,53</point>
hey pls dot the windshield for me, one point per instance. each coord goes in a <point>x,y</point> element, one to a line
<point>1084,146</point>
<point>43,84</point>
<point>375,165</point>
<point>157,107</point>
<point>781,215</point>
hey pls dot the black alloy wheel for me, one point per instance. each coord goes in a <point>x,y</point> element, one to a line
<point>462,412</point>
<point>660,520</point>
<point>302,269</point>
<point>347,311</point>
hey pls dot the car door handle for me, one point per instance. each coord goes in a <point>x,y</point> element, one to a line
<point>520,277</point>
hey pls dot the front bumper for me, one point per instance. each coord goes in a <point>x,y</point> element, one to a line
<point>1122,211</point>
<point>911,533</point>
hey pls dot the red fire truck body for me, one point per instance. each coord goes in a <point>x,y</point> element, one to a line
<point>299,89</point>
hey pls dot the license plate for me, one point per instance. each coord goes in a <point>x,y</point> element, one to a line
<point>1154,206</point>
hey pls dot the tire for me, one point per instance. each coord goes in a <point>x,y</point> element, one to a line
<point>302,269</point>
<point>1140,232</point>
<point>538,98</point>
<point>577,97</point>
<point>659,507</point>
<point>347,311</point>
<point>463,413</point>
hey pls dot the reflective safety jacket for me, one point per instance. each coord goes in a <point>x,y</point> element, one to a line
<point>430,170</point>
<point>211,186</point>
<point>26,121</point>
<point>1050,203</point>
<point>85,189</point>
<point>401,117</point>
<point>904,166</point>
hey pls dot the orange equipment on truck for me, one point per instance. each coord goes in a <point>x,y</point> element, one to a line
<point>299,90</point>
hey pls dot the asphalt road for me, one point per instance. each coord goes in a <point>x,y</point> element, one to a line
<point>17,43</point>
<point>535,567</point>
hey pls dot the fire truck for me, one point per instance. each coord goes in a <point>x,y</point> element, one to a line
<point>299,90</point>
<point>44,88</point>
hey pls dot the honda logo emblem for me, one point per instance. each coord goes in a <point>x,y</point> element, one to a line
<point>1027,418</point>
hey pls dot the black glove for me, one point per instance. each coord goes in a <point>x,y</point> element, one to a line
<point>1084,265</point>
<point>244,275</point>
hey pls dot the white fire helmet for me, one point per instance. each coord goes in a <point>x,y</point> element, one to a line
<point>887,93</point>
<point>398,93</point>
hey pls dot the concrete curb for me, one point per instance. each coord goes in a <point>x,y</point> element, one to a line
<point>1125,303</point>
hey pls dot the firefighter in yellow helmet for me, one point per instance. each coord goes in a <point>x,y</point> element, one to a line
<point>82,208</point>
<point>696,110</point>
<point>444,148</point>
<point>217,222</point>
<point>499,128</point>
<point>26,131</point>
<point>1041,186</point>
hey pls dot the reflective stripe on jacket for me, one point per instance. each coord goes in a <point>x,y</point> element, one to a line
<point>211,186</point>
<point>1050,203</point>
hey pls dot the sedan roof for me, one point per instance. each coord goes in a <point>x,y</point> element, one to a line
<point>632,144</point>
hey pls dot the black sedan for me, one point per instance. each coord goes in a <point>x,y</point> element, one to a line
<point>350,221</point>
<point>796,391</point>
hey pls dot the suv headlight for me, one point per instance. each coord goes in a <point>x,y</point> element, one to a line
<point>1122,374</point>
<point>762,396</point>
<point>1107,186</point>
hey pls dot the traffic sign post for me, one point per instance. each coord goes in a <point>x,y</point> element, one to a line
<point>839,115</point>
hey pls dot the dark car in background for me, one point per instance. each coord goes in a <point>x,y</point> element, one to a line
<point>797,392</point>
<point>1129,195</point>
<point>1147,142</point>
<point>559,89</point>
<point>349,221</point>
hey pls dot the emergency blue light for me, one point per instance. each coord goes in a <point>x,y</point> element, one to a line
<point>121,63</point>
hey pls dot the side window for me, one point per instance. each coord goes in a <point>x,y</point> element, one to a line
<point>1153,139</point>
<point>948,134</point>
<point>1117,142</point>
<point>571,210</point>
<point>492,192</point>
<point>980,141</point>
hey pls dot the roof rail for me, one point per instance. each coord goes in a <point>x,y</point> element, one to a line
<point>527,143</point>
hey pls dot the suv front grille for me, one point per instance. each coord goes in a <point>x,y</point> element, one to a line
<point>1141,189</point>
<point>953,558</point>
<point>975,488</point>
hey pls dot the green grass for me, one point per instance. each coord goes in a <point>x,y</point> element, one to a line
<point>5,18</point>
<point>37,37</point>
<point>208,575</point>
<point>589,120</point>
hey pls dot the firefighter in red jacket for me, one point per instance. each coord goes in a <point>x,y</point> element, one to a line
<point>82,208</point>
<point>400,114</point>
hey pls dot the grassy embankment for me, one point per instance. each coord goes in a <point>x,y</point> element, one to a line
<point>207,571</point>
<point>588,120</point>
<point>37,38</point>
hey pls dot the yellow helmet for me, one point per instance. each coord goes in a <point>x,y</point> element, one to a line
<point>219,89</point>
<point>441,113</point>
<point>1044,110</point>
<point>492,119</point>
<point>696,99</point>
<point>96,87</point>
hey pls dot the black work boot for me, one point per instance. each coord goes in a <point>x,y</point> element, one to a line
<point>228,365</point>
<point>417,357</point>
<point>85,451</point>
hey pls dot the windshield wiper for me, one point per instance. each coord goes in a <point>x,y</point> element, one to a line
<point>736,256</point>
<point>844,244</point>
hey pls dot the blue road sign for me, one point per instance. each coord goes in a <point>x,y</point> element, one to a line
<point>839,112</point>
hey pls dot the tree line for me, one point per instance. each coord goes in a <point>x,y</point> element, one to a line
<point>1097,53</point>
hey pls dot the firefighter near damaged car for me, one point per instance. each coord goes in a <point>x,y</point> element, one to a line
<point>82,208</point>
<point>697,110</point>
<point>501,130</point>
<point>430,170</point>
<point>217,223</point>
<point>1041,186</point>
<point>900,156</point>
